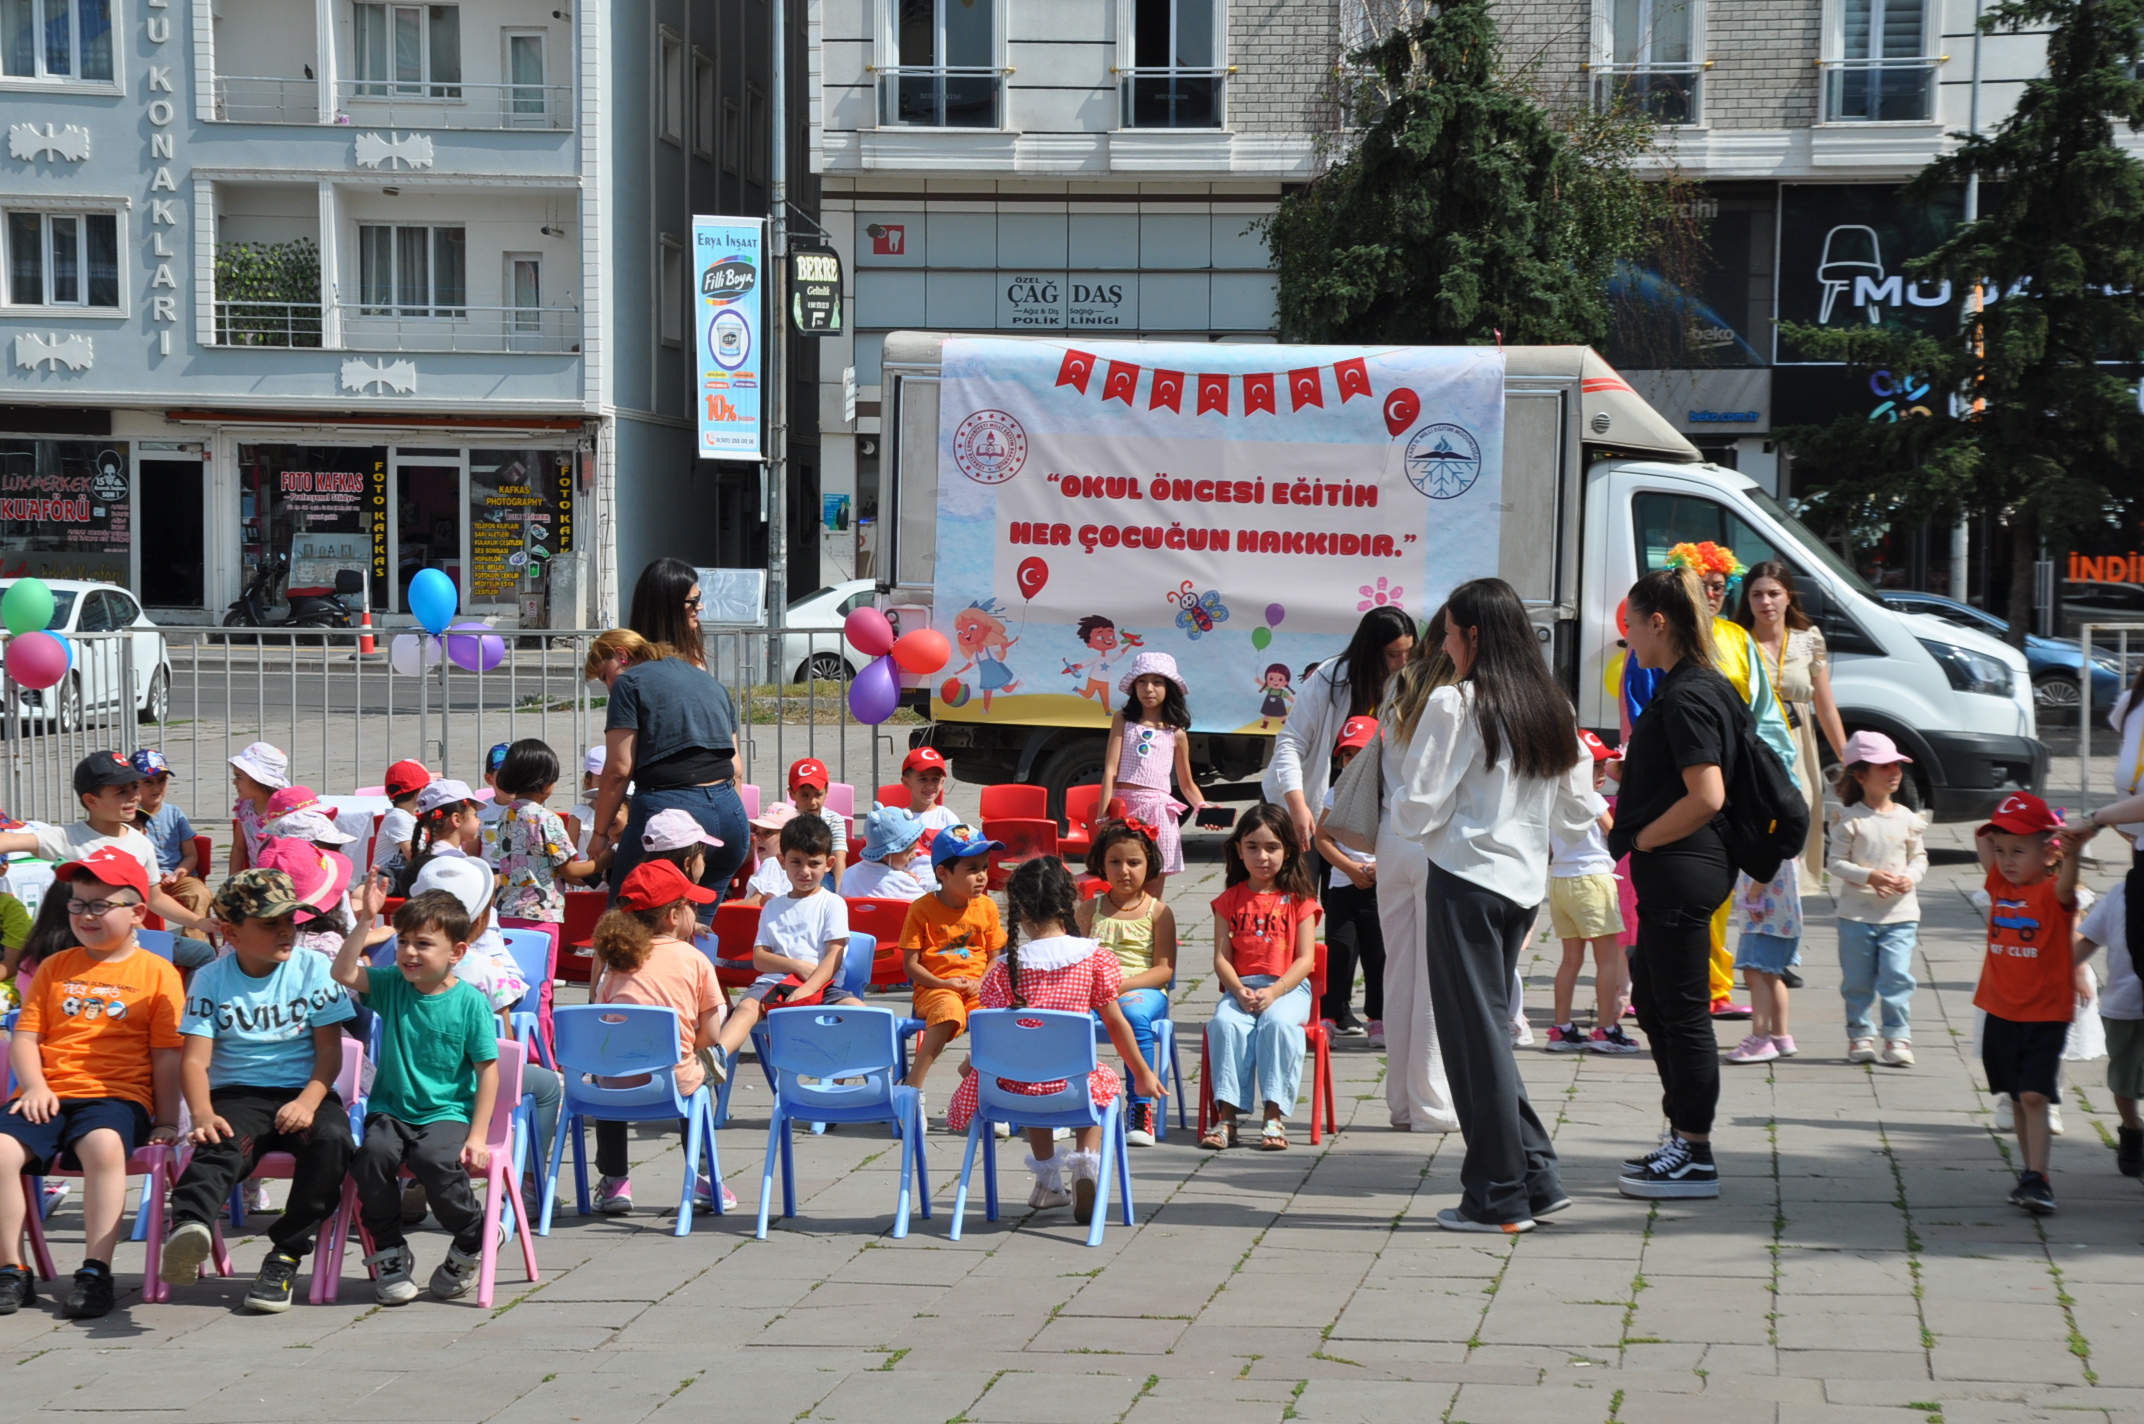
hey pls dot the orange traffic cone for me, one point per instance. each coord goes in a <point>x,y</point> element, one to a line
<point>366,647</point>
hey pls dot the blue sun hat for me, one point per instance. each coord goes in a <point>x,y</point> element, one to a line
<point>889,830</point>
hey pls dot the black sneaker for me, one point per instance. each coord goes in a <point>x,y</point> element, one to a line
<point>271,1288</point>
<point>2034,1194</point>
<point>2129,1151</point>
<point>17,1289</point>
<point>1634,1165</point>
<point>1681,1169</point>
<point>1789,978</point>
<point>1140,1131</point>
<point>92,1293</point>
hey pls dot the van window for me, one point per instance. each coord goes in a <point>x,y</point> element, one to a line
<point>1664,520</point>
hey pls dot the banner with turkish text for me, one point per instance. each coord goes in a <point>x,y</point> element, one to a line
<point>1237,507</point>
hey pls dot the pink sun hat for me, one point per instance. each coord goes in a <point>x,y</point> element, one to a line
<point>1153,665</point>
<point>320,875</point>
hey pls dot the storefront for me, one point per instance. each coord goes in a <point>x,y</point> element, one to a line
<point>66,509</point>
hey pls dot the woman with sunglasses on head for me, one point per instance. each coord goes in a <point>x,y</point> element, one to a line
<point>666,609</point>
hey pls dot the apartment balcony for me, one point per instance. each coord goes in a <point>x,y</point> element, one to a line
<point>283,324</point>
<point>1879,91</point>
<point>1173,98</point>
<point>536,330</point>
<point>943,97</point>
<point>1667,94</point>
<point>454,106</point>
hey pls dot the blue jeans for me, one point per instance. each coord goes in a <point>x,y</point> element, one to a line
<point>1141,1007</point>
<point>720,813</point>
<point>1876,963</point>
<point>1259,1060</point>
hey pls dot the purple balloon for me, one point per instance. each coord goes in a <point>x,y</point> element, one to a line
<point>479,653</point>
<point>876,693</point>
<point>1274,613</point>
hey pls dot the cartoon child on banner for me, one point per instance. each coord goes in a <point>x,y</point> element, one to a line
<point>981,635</point>
<point>1278,694</point>
<point>1102,639</point>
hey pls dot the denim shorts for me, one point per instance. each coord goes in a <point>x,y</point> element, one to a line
<point>1768,954</point>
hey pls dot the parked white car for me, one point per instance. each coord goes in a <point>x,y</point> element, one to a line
<point>824,653</point>
<point>96,680</point>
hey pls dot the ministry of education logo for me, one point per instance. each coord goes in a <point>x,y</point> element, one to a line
<point>990,447</point>
<point>1443,461</point>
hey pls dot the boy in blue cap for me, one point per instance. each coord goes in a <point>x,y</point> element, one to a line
<point>179,866</point>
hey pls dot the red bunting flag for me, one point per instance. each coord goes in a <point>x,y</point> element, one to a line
<point>1213,394</point>
<point>1304,388</point>
<point>1122,383</point>
<point>1078,366</point>
<point>1168,390</point>
<point>1354,378</point>
<point>1258,394</point>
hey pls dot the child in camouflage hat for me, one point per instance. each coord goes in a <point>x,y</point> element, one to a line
<point>263,1050</point>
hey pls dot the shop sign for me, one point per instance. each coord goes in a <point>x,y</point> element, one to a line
<point>1057,301</point>
<point>815,290</point>
<point>728,262</point>
<point>1843,253</point>
<point>515,523</point>
<point>59,517</point>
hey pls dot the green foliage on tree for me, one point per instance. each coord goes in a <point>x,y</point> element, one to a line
<point>1468,208</point>
<point>268,293</point>
<point>2028,418</point>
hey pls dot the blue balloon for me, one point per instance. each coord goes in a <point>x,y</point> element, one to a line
<point>876,693</point>
<point>68,644</point>
<point>433,600</point>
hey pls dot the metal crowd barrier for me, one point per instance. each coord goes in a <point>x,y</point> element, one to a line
<point>201,695</point>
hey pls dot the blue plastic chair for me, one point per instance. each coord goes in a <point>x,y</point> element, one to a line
<point>531,950</point>
<point>1165,1064</point>
<point>828,1043</point>
<point>1039,1046</point>
<point>161,943</point>
<point>855,978</point>
<point>626,1041</point>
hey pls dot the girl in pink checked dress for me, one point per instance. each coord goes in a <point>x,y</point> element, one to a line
<point>1046,967</point>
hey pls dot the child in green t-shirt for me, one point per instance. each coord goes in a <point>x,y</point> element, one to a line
<point>433,1092</point>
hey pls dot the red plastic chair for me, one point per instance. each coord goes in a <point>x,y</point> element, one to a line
<point>896,795</point>
<point>1316,1043</point>
<point>1015,802</point>
<point>1024,839</point>
<point>882,919</point>
<point>203,851</point>
<point>583,909</point>
<point>736,926</point>
<point>155,1162</point>
<point>1078,835</point>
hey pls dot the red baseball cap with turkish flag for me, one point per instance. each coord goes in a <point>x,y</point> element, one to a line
<point>2023,814</point>
<point>1355,732</point>
<point>923,759</point>
<point>1601,750</point>
<point>809,771</point>
<point>108,865</point>
<point>656,883</point>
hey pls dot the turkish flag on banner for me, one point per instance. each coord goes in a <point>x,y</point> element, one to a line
<point>1354,378</point>
<point>1074,372</point>
<point>1258,394</point>
<point>1213,394</point>
<point>1304,388</point>
<point>1122,382</point>
<point>1168,390</point>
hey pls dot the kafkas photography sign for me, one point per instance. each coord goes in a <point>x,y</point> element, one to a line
<point>1195,499</point>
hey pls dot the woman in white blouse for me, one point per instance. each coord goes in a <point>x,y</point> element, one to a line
<point>1493,769</point>
<point>1342,687</point>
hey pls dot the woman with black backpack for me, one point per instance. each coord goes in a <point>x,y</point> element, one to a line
<point>1676,767</point>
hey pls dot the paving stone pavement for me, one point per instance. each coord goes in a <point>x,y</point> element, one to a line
<point>1860,1265</point>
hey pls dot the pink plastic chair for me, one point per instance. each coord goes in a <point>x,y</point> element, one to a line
<point>498,1181</point>
<point>841,798</point>
<point>154,1162</point>
<point>368,791</point>
<point>282,1166</point>
<point>749,794</point>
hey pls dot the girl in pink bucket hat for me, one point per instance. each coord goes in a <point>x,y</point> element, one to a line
<point>1878,859</point>
<point>1149,739</point>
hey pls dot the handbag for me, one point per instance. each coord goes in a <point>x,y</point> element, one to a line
<point>1358,800</point>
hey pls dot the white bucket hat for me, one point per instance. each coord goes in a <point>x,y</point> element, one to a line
<point>1153,665</point>
<point>673,830</point>
<point>592,764</point>
<point>309,826</point>
<point>468,881</point>
<point>265,764</point>
<point>441,793</point>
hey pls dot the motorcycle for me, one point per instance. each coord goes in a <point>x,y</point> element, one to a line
<point>309,610</point>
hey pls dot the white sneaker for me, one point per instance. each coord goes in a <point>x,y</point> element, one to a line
<point>1522,1034</point>
<point>2054,1118</point>
<point>1049,1190</point>
<point>1861,1050</point>
<point>1001,1130</point>
<point>455,1274</point>
<point>1897,1054</point>
<point>1756,1048</point>
<point>2005,1114</point>
<point>257,1199</point>
<point>393,1285</point>
<point>1140,1131</point>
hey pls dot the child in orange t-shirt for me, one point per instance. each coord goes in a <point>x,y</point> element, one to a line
<point>948,941</point>
<point>2030,980</point>
<point>95,1052</point>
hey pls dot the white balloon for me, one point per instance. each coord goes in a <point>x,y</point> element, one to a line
<point>411,653</point>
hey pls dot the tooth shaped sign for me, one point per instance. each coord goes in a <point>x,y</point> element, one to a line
<point>1401,407</point>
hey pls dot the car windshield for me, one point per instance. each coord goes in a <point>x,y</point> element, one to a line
<point>796,603</point>
<point>1814,547</point>
<point>1951,613</point>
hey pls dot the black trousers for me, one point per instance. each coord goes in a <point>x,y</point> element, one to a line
<point>1678,888</point>
<point>322,1151</point>
<point>2133,906</point>
<point>1354,935</point>
<point>433,1155</point>
<point>1474,939</point>
<point>610,1147</point>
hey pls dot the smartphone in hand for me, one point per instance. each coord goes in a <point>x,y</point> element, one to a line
<point>1217,818</point>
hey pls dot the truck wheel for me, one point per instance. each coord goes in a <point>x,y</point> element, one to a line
<point>1076,763</point>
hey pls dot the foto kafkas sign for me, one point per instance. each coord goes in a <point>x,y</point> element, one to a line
<point>815,290</point>
<point>728,305</point>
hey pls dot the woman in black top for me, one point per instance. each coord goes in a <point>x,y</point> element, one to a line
<point>666,608</point>
<point>1668,819</point>
<point>670,730</point>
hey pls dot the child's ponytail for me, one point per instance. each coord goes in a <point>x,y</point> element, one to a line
<point>1041,892</point>
<point>623,938</point>
<point>423,843</point>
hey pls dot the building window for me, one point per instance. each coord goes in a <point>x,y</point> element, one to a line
<point>412,271</point>
<point>1883,73</point>
<point>670,108</point>
<point>755,100</point>
<point>402,49</point>
<point>524,293</point>
<point>1175,78</point>
<point>63,259</point>
<point>56,39</point>
<point>705,114</point>
<point>527,98</point>
<point>1651,66</point>
<point>732,135</point>
<point>945,72</point>
<point>671,319</point>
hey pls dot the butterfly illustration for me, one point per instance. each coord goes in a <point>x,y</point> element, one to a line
<point>1197,612</point>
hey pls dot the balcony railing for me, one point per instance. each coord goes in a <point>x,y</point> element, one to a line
<point>1664,93</point>
<point>537,330</point>
<point>250,99</point>
<point>1879,91</point>
<point>943,98</point>
<point>267,323</point>
<point>454,106</point>
<point>1173,98</point>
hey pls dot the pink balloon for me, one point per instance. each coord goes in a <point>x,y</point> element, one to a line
<point>36,659</point>
<point>922,652</point>
<point>869,632</point>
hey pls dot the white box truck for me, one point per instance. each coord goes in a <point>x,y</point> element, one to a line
<point>1595,488</point>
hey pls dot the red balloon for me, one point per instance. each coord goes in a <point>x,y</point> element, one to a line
<point>869,632</point>
<point>36,659</point>
<point>922,652</point>
<point>1401,407</point>
<point>1622,618</point>
<point>1033,574</point>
